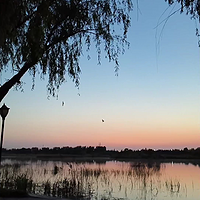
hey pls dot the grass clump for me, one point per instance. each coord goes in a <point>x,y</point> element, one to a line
<point>13,183</point>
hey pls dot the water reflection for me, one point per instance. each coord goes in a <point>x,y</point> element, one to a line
<point>100,181</point>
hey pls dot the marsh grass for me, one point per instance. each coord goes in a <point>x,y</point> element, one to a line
<point>71,180</point>
<point>173,186</point>
<point>13,179</point>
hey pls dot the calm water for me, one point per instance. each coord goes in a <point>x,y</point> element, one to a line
<point>113,180</point>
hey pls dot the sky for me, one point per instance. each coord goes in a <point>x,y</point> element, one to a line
<point>154,102</point>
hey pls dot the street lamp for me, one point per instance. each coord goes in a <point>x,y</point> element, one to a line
<point>3,112</point>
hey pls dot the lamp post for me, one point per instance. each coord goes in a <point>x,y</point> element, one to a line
<point>3,112</point>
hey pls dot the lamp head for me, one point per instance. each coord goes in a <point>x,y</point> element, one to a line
<point>4,111</point>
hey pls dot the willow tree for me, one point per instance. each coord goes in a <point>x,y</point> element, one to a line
<point>190,7</point>
<point>48,37</point>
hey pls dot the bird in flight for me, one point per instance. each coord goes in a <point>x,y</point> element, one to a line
<point>63,103</point>
<point>102,120</point>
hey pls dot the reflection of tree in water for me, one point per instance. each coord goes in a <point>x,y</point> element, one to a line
<point>147,178</point>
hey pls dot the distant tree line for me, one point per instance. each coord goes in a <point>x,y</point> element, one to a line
<point>78,150</point>
<point>101,151</point>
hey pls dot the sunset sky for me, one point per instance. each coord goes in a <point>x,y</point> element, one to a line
<point>154,102</point>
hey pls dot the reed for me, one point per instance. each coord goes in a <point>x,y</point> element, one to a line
<point>72,180</point>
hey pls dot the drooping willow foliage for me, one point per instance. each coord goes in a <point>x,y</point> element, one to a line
<point>48,36</point>
<point>191,7</point>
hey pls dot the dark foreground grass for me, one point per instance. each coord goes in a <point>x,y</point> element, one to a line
<point>12,193</point>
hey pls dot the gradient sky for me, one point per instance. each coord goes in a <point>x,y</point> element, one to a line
<point>153,103</point>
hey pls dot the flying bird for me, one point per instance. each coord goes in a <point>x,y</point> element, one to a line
<point>102,120</point>
<point>63,103</point>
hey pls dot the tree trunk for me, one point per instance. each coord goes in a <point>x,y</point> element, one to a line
<point>4,89</point>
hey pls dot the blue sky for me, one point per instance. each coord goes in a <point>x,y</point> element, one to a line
<point>154,102</point>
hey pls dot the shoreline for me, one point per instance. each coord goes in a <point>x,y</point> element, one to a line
<point>98,159</point>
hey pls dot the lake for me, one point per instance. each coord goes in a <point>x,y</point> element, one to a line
<point>108,180</point>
